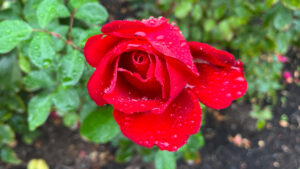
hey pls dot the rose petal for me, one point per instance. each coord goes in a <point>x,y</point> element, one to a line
<point>128,99</point>
<point>97,46</point>
<point>217,87</point>
<point>164,37</point>
<point>169,130</point>
<point>205,53</point>
<point>176,82</point>
<point>104,76</point>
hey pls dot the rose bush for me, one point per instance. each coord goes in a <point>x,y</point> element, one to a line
<point>155,79</point>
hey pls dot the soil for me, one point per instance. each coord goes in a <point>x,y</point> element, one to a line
<point>276,146</point>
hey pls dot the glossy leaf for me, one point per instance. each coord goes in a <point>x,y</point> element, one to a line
<point>38,79</point>
<point>92,13</point>
<point>9,156</point>
<point>165,160</point>
<point>100,126</point>
<point>41,52</point>
<point>38,110</point>
<point>79,3</point>
<point>66,100</point>
<point>12,32</point>
<point>6,134</point>
<point>71,68</point>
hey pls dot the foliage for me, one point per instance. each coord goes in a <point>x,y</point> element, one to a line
<point>255,31</point>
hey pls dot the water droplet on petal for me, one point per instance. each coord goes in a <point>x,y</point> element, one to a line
<point>160,37</point>
<point>183,44</point>
<point>228,94</point>
<point>140,33</point>
<point>134,45</point>
<point>240,78</point>
<point>174,136</point>
<point>239,93</point>
<point>175,148</point>
<point>225,82</point>
<point>173,23</point>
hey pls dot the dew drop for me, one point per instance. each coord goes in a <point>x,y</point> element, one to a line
<point>170,43</point>
<point>175,136</point>
<point>175,148</point>
<point>173,23</point>
<point>134,45</point>
<point>183,44</point>
<point>228,94</point>
<point>239,93</point>
<point>140,33</point>
<point>225,82</point>
<point>192,122</point>
<point>240,78</point>
<point>166,144</point>
<point>160,37</point>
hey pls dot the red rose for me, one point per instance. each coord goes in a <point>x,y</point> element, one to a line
<point>155,80</point>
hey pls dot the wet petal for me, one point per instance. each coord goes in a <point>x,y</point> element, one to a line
<point>104,76</point>
<point>217,87</point>
<point>204,53</point>
<point>127,98</point>
<point>163,36</point>
<point>169,130</point>
<point>97,46</point>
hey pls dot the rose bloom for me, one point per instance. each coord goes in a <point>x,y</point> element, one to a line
<point>155,79</point>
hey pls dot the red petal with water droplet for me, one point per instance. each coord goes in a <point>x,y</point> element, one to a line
<point>169,130</point>
<point>164,37</point>
<point>221,78</point>
<point>207,53</point>
<point>132,93</point>
<point>103,77</point>
<point>97,46</point>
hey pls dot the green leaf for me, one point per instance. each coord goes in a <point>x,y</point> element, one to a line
<point>86,109</point>
<point>292,4</point>
<point>79,3</point>
<point>9,156</point>
<point>12,32</point>
<point>197,12</point>
<point>70,119</point>
<point>29,12</point>
<point>38,110</point>
<point>100,126</point>
<point>41,52</point>
<point>66,100</point>
<point>38,79</point>
<point>283,18</point>
<point>50,9</point>
<point>269,3</point>
<point>10,73</point>
<point>79,36</point>
<point>7,135</point>
<point>165,160</point>
<point>92,13</point>
<point>59,43</point>
<point>182,9</point>
<point>24,63</point>
<point>71,68</point>
<point>209,24</point>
